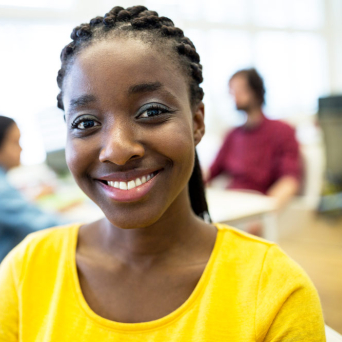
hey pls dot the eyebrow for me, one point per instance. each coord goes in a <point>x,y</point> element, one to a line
<point>85,100</point>
<point>144,87</point>
<point>82,101</point>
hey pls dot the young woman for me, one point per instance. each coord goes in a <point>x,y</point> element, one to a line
<point>152,269</point>
<point>18,217</point>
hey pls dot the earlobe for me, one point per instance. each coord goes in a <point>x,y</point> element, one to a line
<point>199,126</point>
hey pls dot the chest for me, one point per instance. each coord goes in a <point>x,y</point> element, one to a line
<point>251,150</point>
<point>133,296</point>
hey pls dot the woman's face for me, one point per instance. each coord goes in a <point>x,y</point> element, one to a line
<point>10,149</point>
<point>131,130</point>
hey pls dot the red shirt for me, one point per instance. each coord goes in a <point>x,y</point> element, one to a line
<point>256,158</point>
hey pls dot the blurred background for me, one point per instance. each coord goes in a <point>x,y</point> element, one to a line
<point>296,45</point>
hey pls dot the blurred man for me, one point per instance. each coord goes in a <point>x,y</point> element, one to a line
<point>261,155</point>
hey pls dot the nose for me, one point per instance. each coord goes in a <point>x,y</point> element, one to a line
<point>120,144</point>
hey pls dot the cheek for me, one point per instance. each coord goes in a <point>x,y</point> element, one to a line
<point>13,153</point>
<point>176,142</point>
<point>18,154</point>
<point>77,155</point>
<point>241,96</point>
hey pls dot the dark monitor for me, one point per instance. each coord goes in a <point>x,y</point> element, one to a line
<point>330,119</point>
<point>330,106</point>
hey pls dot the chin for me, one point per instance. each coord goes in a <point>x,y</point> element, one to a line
<point>129,222</point>
<point>13,166</point>
<point>140,214</point>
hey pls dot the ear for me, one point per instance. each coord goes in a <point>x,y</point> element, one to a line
<point>198,121</point>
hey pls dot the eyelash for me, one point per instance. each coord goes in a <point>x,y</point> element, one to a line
<point>83,119</point>
<point>151,107</point>
<point>156,107</point>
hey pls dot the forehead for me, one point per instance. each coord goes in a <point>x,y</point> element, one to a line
<point>239,82</point>
<point>110,68</point>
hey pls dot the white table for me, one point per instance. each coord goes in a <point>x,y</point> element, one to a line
<point>225,206</point>
<point>230,206</point>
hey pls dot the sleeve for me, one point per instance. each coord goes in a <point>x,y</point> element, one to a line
<point>288,306</point>
<point>17,213</point>
<point>217,166</point>
<point>289,158</point>
<point>9,312</point>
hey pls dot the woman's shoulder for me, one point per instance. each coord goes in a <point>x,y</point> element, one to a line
<point>54,235</point>
<point>255,253</point>
<point>241,242</point>
<point>43,246</point>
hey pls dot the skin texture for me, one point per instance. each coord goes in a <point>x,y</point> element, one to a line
<point>10,148</point>
<point>145,258</point>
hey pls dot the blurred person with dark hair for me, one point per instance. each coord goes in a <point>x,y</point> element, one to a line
<point>261,155</point>
<point>18,217</point>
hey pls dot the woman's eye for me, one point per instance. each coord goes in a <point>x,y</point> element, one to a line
<point>84,123</point>
<point>151,112</point>
<point>154,111</point>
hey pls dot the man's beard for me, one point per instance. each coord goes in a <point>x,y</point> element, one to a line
<point>248,107</point>
<point>244,108</point>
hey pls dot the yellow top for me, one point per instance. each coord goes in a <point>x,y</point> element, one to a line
<point>250,291</point>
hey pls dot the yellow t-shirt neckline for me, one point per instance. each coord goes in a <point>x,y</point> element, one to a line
<point>143,326</point>
<point>249,291</point>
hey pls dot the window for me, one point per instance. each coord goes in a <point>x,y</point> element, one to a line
<point>284,39</point>
<point>30,61</point>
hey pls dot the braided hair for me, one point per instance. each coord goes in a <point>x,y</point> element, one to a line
<point>139,22</point>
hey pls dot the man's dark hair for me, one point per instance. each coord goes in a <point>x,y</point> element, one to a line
<point>255,82</point>
<point>138,22</point>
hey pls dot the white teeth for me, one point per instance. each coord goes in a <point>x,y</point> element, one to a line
<point>123,185</point>
<point>131,185</point>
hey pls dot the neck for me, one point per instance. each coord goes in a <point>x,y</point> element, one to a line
<point>177,230</point>
<point>254,117</point>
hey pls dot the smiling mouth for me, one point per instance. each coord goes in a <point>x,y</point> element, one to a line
<point>131,184</point>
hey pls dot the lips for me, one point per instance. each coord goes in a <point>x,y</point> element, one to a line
<point>131,189</point>
<point>132,183</point>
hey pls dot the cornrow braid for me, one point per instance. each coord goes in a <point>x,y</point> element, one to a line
<point>138,21</point>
